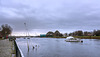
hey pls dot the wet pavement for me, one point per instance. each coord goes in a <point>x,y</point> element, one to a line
<point>6,48</point>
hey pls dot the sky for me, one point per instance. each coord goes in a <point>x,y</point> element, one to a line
<point>42,16</point>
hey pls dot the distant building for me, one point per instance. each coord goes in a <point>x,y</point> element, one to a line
<point>65,35</point>
<point>42,35</point>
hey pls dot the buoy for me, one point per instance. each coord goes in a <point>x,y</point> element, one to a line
<point>81,41</point>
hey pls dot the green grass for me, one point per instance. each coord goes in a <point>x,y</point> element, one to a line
<point>59,37</point>
<point>53,37</point>
<point>88,37</point>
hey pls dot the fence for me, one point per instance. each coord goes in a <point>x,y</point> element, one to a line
<point>18,50</point>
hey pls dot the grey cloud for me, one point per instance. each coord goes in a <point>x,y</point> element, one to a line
<point>51,14</point>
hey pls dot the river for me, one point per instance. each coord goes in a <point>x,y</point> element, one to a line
<point>58,47</point>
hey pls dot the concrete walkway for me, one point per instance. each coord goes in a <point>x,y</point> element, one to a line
<point>6,48</point>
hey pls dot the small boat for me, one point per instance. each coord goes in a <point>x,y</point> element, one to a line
<point>72,39</point>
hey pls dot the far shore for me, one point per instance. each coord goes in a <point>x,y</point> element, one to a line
<point>81,37</point>
<point>87,37</point>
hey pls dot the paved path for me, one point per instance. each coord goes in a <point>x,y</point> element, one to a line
<point>5,48</point>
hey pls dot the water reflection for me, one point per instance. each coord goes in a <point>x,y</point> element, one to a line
<point>53,47</point>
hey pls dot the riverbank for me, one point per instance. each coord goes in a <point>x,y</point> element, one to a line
<point>6,48</point>
<point>87,37</point>
<point>82,37</point>
<point>52,37</point>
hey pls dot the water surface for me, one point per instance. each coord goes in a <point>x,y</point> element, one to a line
<point>58,47</point>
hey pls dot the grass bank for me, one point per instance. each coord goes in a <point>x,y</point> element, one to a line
<point>87,37</point>
<point>52,37</point>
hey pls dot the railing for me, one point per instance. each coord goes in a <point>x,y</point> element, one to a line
<point>18,50</point>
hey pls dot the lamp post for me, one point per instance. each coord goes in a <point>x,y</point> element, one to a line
<point>26,36</point>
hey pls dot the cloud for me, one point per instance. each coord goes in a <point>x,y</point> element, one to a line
<point>41,15</point>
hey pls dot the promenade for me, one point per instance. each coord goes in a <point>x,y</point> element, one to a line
<point>6,48</point>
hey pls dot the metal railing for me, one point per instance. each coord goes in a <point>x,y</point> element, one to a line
<point>18,50</point>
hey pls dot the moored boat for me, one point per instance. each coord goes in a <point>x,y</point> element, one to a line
<point>72,39</point>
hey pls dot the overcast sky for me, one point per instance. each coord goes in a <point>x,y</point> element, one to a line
<point>42,16</point>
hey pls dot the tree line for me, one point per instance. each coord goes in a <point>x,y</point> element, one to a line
<point>75,33</point>
<point>5,30</point>
<point>85,33</point>
<point>54,34</point>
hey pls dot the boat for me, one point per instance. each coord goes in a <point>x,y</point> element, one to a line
<point>72,39</point>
